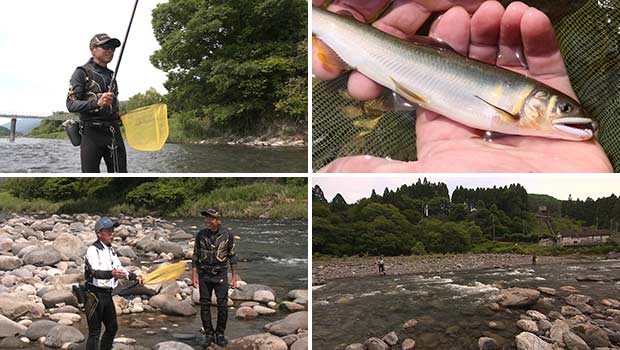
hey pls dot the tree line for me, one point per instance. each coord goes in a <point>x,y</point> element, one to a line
<point>422,218</point>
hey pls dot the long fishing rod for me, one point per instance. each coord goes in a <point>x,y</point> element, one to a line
<point>120,57</point>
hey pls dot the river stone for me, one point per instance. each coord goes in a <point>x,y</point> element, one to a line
<point>486,343</point>
<point>536,315</point>
<point>53,297</point>
<point>172,345</point>
<point>289,325</point>
<point>568,289</point>
<point>515,297</point>
<point>170,288</point>
<point>408,344</point>
<point>528,326</point>
<point>264,341</point>
<point>559,328</point>
<point>9,281</point>
<point>585,308</point>
<point>574,342</point>
<point>297,293</point>
<point>569,311</point>
<point>60,335</point>
<point>9,328</point>
<point>355,346</point>
<point>249,303</point>
<point>42,256</point>
<point>613,303</point>
<point>375,344</point>
<point>170,247</point>
<point>261,310</point>
<point>544,325</point>
<point>126,251</point>
<point>25,289</point>
<point>22,273</point>
<point>175,307</point>
<point>246,292</point>
<point>65,316</point>
<point>42,225</point>
<point>67,309</point>
<point>548,291</point>
<point>301,344</point>
<point>69,245</point>
<point>9,263</point>
<point>181,235</point>
<point>576,299</point>
<point>12,343</point>
<point>593,335</point>
<point>391,338</point>
<point>14,307</point>
<point>246,313</point>
<point>291,307</point>
<point>263,296</point>
<point>529,341</point>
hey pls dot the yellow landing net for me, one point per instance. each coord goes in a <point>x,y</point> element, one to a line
<point>146,128</point>
<point>165,273</point>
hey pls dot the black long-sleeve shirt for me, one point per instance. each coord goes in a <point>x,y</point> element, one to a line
<point>214,249</point>
<point>88,83</point>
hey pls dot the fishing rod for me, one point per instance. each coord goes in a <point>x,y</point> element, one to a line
<point>120,57</point>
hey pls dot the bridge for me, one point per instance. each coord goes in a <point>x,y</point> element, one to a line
<point>14,118</point>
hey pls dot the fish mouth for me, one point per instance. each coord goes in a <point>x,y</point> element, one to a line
<point>578,127</point>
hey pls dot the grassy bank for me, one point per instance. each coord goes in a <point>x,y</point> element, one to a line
<point>259,200</point>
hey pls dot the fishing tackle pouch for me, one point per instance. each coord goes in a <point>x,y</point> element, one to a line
<point>74,131</point>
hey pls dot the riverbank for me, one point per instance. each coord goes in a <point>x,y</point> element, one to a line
<point>326,269</point>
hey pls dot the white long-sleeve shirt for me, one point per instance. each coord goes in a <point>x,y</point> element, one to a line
<point>102,260</point>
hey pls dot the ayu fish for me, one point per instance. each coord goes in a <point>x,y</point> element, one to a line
<point>433,76</point>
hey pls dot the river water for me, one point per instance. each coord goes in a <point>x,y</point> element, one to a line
<point>273,253</point>
<point>451,308</point>
<point>30,155</point>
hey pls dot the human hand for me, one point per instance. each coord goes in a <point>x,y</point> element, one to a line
<point>105,99</point>
<point>233,282</point>
<point>119,274</point>
<point>140,280</point>
<point>195,280</point>
<point>493,35</point>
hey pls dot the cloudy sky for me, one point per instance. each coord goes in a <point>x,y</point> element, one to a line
<point>353,188</point>
<point>42,42</point>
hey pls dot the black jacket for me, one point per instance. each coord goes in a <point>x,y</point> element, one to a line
<point>88,83</point>
<point>214,249</point>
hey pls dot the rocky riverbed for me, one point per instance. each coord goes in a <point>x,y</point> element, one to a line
<point>323,271</point>
<point>555,305</point>
<point>41,258</point>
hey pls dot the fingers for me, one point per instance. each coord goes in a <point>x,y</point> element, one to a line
<point>453,28</point>
<point>484,32</point>
<point>540,44</point>
<point>368,164</point>
<point>510,35</point>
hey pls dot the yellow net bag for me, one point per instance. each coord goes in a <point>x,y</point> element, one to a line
<point>165,273</point>
<point>146,128</point>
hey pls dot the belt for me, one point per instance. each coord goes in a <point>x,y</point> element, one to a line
<point>214,270</point>
<point>93,288</point>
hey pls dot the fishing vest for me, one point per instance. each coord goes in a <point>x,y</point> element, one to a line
<point>97,83</point>
<point>216,250</point>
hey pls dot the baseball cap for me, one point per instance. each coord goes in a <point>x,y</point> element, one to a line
<point>100,39</point>
<point>105,223</point>
<point>211,212</point>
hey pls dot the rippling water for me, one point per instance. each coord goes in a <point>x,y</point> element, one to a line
<point>29,155</point>
<point>451,307</point>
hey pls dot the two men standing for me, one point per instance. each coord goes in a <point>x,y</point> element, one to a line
<point>213,251</point>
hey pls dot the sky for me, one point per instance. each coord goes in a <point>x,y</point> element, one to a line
<point>556,185</point>
<point>43,41</point>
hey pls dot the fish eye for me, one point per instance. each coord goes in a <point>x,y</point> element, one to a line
<point>565,107</point>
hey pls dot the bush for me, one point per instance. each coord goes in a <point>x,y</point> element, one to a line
<point>156,196</point>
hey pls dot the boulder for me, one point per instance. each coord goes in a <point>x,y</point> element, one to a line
<point>261,310</point>
<point>391,339</point>
<point>569,311</point>
<point>246,292</point>
<point>69,245</point>
<point>12,343</point>
<point>264,341</point>
<point>14,307</point>
<point>172,345</point>
<point>355,346</point>
<point>53,297</point>
<point>42,256</point>
<point>40,329</point>
<point>175,307</point>
<point>301,344</point>
<point>548,291</point>
<point>536,315</point>
<point>126,251</point>
<point>181,235</point>
<point>66,316</point>
<point>60,335</point>
<point>486,343</point>
<point>375,344</point>
<point>246,313</point>
<point>559,328</point>
<point>529,341</point>
<point>577,299</point>
<point>408,344</point>
<point>410,324</point>
<point>263,296</point>
<point>593,335</point>
<point>574,342</point>
<point>9,328</point>
<point>170,247</point>
<point>9,263</point>
<point>516,297</point>
<point>528,325</point>
<point>289,325</point>
<point>291,307</point>
<point>297,293</point>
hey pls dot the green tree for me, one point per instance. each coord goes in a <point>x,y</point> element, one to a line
<point>233,64</point>
<point>151,96</point>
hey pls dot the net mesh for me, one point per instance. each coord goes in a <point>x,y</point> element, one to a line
<point>589,37</point>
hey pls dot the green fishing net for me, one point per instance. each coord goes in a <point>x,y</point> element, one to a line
<point>589,37</point>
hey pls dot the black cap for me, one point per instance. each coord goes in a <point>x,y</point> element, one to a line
<point>212,212</point>
<point>101,39</point>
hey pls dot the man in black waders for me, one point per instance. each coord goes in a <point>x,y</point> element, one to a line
<point>213,250</point>
<point>102,271</point>
<point>98,109</point>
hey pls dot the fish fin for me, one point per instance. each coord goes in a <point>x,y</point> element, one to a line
<point>367,124</point>
<point>501,112</point>
<point>431,42</point>
<point>408,94</point>
<point>327,56</point>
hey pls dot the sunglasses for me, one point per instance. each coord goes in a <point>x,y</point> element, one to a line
<point>107,47</point>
